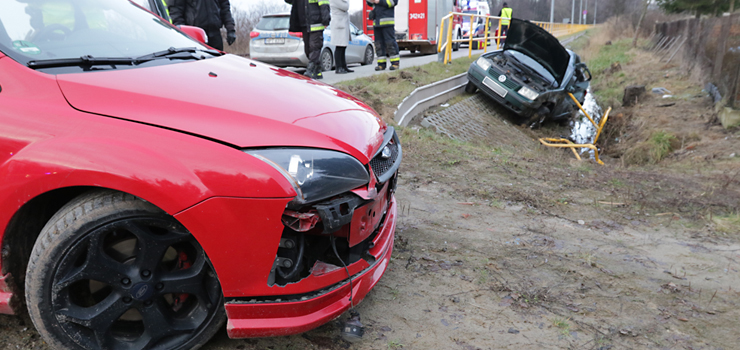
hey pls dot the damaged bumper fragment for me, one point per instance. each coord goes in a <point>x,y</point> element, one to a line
<point>323,245</point>
<point>296,313</point>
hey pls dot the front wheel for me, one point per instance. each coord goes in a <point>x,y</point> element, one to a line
<point>456,46</point>
<point>111,271</point>
<point>327,60</point>
<point>470,87</point>
<point>539,117</point>
<point>369,56</point>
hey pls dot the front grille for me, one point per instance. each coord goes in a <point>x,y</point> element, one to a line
<point>510,84</point>
<point>383,167</point>
<point>380,165</point>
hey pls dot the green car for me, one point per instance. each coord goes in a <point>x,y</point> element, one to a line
<point>532,75</point>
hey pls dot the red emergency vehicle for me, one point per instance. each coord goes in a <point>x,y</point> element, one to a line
<point>417,23</point>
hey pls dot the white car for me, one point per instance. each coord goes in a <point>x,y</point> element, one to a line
<point>270,42</point>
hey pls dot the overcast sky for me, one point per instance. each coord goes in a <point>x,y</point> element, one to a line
<point>354,5</point>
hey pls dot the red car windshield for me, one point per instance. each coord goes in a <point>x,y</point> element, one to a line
<point>66,30</point>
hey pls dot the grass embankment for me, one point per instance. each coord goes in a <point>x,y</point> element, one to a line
<point>606,57</point>
<point>608,79</point>
<point>385,91</point>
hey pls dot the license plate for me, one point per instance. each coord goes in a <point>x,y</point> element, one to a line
<point>275,41</point>
<point>498,89</point>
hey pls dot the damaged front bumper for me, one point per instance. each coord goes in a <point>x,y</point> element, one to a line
<point>291,314</point>
<point>502,94</point>
<point>288,267</point>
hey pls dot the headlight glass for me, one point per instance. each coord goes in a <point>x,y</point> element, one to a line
<point>315,174</point>
<point>483,63</point>
<point>528,93</point>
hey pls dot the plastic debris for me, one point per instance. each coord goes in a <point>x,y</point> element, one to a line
<point>661,90</point>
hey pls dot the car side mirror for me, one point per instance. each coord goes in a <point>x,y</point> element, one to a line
<point>582,72</point>
<point>195,33</point>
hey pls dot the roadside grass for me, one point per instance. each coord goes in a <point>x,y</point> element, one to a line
<point>385,91</point>
<point>728,224</point>
<point>659,145</point>
<point>618,51</point>
<point>580,43</point>
<point>562,325</point>
<point>608,83</point>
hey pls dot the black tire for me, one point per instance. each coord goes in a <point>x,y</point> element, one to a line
<point>456,46</point>
<point>369,56</point>
<point>470,87</point>
<point>110,270</point>
<point>327,60</point>
<point>475,45</point>
<point>539,117</point>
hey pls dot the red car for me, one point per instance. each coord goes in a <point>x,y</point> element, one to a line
<point>152,187</point>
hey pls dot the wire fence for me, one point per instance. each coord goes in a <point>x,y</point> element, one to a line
<point>696,43</point>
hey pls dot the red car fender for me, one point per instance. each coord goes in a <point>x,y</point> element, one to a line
<point>172,170</point>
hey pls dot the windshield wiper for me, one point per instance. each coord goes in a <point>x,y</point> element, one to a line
<point>177,53</point>
<point>86,60</point>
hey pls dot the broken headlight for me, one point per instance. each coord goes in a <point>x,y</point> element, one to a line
<point>315,174</point>
<point>483,63</point>
<point>528,93</point>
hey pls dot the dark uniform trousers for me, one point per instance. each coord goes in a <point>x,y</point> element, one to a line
<point>312,44</point>
<point>385,45</point>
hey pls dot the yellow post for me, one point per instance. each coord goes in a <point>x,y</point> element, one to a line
<point>485,38</point>
<point>601,125</point>
<point>470,37</point>
<point>498,35</point>
<point>582,110</point>
<point>449,39</point>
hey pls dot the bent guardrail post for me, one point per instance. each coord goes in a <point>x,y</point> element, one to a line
<point>583,110</point>
<point>565,143</point>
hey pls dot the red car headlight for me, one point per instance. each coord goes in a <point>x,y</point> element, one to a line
<point>315,174</point>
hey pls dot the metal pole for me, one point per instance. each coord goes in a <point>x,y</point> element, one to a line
<point>596,9</point>
<point>585,18</point>
<point>572,12</point>
<point>580,14</point>
<point>552,11</point>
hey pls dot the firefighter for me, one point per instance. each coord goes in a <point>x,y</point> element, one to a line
<point>310,17</point>
<point>210,15</point>
<point>385,33</point>
<point>505,15</point>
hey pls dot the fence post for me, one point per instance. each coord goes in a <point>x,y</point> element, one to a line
<point>724,33</point>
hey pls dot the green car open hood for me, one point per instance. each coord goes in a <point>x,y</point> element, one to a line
<point>537,43</point>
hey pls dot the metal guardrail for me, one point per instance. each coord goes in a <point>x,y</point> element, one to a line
<point>565,143</point>
<point>445,31</point>
<point>427,96</point>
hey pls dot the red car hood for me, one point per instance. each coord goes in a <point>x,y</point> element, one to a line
<point>234,100</point>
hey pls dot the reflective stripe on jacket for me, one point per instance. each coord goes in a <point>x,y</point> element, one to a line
<point>317,13</point>
<point>506,16</point>
<point>384,13</point>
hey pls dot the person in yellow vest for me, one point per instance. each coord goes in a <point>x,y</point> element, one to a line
<point>505,15</point>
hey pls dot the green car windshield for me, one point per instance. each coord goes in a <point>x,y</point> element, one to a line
<point>43,30</point>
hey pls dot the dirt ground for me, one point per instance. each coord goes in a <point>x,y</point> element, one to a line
<point>503,244</point>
